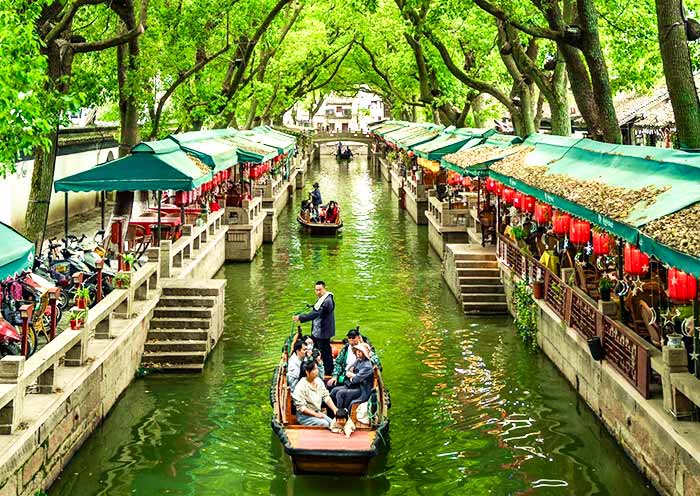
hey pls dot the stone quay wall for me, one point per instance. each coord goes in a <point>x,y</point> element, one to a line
<point>657,443</point>
<point>52,402</point>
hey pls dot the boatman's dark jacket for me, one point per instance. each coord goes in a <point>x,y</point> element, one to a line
<point>316,197</point>
<point>323,317</point>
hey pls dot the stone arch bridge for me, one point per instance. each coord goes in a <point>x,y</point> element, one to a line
<point>324,143</point>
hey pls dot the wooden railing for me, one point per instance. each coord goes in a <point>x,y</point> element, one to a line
<point>20,376</point>
<point>627,352</point>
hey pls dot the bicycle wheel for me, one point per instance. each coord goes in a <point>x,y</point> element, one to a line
<point>31,341</point>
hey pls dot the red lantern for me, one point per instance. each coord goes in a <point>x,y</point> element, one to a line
<point>528,204</point>
<point>491,184</point>
<point>466,182</point>
<point>601,243</point>
<point>543,213</point>
<point>499,189</point>
<point>180,198</point>
<point>508,195</point>
<point>518,200</point>
<point>681,286</point>
<point>636,262</point>
<point>560,222</point>
<point>579,232</point>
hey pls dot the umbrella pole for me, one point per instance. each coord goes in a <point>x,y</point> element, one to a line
<point>102,209</point>
<point>65,217</point>
<point>182,214</point>
<point>159,206</point>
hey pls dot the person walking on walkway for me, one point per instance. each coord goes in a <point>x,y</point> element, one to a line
<point>322,317</point>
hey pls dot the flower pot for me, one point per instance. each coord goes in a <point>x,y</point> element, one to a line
<point>538,290</point>
<point>81,303</point>
<point>75,325</point>
<point>605,294</point>
<point>126,266</point>
<point>674,340</point>
<point>595,346</point>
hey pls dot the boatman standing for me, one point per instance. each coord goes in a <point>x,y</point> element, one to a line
<point>316,198</point>
<point>322,319</point>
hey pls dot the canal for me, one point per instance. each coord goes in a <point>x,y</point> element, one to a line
<point>474,412</point>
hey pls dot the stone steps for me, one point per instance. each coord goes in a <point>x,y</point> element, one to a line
<point>485,308</point>
<point>187,301</point>
<point>183,312</point>
<point>175,368</point>
<point>479,278</point>
<point>476,288</point>
<point>179,323</point>
<point>478,272</point>
<point>176,346</point>
<point>483,297</point>
<point>192,289</point>
<point>174,357</point>
<point>177,335</point>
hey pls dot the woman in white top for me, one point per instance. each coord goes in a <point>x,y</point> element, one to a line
<point>309,394</point>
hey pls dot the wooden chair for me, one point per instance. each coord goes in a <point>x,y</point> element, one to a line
<point>587,281</point>
<point>487,221</point>
<point>655,333</point>
<point>652,294</point>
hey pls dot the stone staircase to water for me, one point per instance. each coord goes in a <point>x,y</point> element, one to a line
<point>480,283</point>
<point>178,338</point>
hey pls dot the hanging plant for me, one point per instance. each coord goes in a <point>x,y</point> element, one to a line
<point>525,313</point>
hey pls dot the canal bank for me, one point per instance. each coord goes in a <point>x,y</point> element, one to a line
<point>473,411</point>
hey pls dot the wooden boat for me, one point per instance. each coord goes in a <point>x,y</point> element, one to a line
<point>317,449</point>
<point>321,228</point>
<point>343,156</point>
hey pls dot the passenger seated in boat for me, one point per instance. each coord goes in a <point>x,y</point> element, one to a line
<point>305,212</point>
<point>294,364</point>
<point>358,386</point>
<point>331,213</point>
<point>348,152</point>
<point>346,358</point>
<point>313,353</point>
<point>309,395</point>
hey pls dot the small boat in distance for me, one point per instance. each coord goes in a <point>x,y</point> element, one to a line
<point>344,155</point>
<point>318,228</point>
<point>317,449</point>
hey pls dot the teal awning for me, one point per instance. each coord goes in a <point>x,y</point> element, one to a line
<point>251,151</point>
<point>388,126</point>
<point>475,156</point>
<point>269,137</point>
<point>16,252</point>
<point>449,141</point>
<point>398,136</point>
<point>424,136</point>
<point>671,179</point>
<point>152,166</point>
<point>208,147</point>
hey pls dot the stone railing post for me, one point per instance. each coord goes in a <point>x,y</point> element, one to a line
<point>11,370</point>
<point>154,257</point>
<point>187,250</point>
<point>674,360</point>
<point>76,356</point>
<point>166,260</point>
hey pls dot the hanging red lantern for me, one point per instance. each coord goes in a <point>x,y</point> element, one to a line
<point>518,200</point>
<point>560,222</point>
<point>601,243</point>
<point>508,195</point>
<point>528,204</point>
<point>491,184</point>
<point>180,198</point>
<point>543,213</point>
<point>579,232</point>
<point>636,262</point>
<point>466,182</point>
<point>681,286</point>
<point>499,189</point>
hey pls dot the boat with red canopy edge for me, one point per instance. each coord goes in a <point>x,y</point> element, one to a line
<point>319,228</point>
<point>317,449</point>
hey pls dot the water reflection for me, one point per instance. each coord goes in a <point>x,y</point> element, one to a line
<point>473,411</point>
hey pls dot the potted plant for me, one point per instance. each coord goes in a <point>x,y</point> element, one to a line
<point>77,318</point>
<point>605,286</point>
<point>128,260</point>
<point>122,280</point>
<point>82,298</point>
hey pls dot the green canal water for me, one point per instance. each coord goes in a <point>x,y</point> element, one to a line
<point>474,412</point>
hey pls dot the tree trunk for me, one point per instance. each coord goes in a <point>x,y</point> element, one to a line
<point>478,111</point>
<point>675,55</point>
<point>251,113</point>
<point>559,104</point>
<point>40,194</point>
